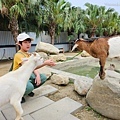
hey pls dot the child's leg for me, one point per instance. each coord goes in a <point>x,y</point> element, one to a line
<point>43,78</point>
<point>29,88</point>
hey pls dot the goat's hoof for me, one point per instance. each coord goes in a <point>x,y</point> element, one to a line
<point>102,77</point>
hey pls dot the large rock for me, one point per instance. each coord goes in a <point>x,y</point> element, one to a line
<point>47,48</point>
<point>104,95</point>
<point>59,79</point>
<point>43,55</point>
<point>85,54</point>
<point>83,85</point>
<point>57,58</point>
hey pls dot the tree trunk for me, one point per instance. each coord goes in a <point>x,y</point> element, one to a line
<point>13,25</point>
<point>52,34</point>
<point>93,32</point>
<point>52,39</point>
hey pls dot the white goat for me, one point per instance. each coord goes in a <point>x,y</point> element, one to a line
<point>13,84</point>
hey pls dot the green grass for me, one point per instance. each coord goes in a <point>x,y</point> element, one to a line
<point>89,108</point>
<point>88,71</point>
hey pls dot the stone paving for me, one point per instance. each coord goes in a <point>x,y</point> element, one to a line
<point>40,107</point>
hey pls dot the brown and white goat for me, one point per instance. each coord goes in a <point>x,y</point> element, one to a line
<point>13,84</point>
<point>100,48</point>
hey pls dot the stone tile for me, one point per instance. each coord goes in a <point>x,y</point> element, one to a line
<point>1,116</point>
<point>28,107</point>
<point>44,90</point>
<point>27,117</point>
<point>69,117</point>
<point>5,106</point>
<point>57,110</point>
<point>36,104</point>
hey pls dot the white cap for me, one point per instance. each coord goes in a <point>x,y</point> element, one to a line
<point>23,36</point>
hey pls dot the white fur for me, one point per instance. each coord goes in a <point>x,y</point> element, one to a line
<point>114,47</point>
<point>13,84</point>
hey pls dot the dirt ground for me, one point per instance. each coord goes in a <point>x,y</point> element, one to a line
<point>86,113</point>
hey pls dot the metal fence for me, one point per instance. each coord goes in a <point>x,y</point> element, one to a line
<point>7,44</point>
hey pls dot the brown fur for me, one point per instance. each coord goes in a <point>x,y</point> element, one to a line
<point>98,49</point>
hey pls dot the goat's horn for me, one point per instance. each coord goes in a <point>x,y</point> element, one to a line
<point>75,46</point>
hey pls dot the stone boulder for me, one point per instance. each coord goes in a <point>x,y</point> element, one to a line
<point>104,95</point>
<point>82,85</point>
<point>85,54</point>
<point>47,48</point>
<point>43,55</point>
<point>59,79</point>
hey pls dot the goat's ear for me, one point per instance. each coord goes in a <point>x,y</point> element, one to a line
<point>38,58</point>
<point>34,53</point>
<point>30,54</point>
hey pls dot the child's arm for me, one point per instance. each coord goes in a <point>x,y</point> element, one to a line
<point>37,79</point>
<point>47,62</point>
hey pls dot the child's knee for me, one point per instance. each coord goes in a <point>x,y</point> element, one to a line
<point>43,78</point>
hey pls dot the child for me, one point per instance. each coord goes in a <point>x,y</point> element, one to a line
<point>36,79</point>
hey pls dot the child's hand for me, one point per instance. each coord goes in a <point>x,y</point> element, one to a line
<point>49,63</point>
<point>37,80</point>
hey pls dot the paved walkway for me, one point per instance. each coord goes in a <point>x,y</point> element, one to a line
<point>40,107</point>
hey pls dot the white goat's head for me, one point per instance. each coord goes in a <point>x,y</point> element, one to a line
<point>37,58</point>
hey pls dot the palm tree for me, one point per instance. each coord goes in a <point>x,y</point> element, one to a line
<point>79,24</point>
<point>98,19</point>
<point>4,22</point>
<point>33,15</point>
<point>108,21</point>
<point>12,9</point>
<point>53,16</point>
<point>92,17</point>
<point>111,24</point>
<point>76,20</point>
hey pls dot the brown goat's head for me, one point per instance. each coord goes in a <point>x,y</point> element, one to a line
<point>78,44</point>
